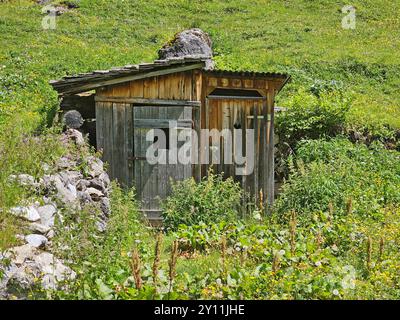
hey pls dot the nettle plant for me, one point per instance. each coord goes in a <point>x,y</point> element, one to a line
<point>211,200</point>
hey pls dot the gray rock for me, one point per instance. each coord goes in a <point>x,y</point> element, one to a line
<point>27,213</point>
<point>95,194</point>
<point>105,206</point>
<point>50,234</point>
<point>66,193</point>
<point>46,214</point>
<point>95,167</point>
<point>65,162</point>
<point>29,264</point>
<point>53,270</point>
<point>97,183</point>
<point>39,228</point>
<point>189,43</point>
<point>36,240</point>
<point>84,197</point>
<point>82,185</point>
<point>70,177</point>
<point>20,254</point>
<point>105,178</point>
<point>74,136</point>
<point>101,225</point>
<point>25,180</point>
<point>73,119</point>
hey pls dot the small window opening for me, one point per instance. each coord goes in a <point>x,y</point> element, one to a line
<point>221,92</point>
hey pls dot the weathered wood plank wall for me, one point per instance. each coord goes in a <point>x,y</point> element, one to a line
<point>122,128</point>
<point>125,111</point>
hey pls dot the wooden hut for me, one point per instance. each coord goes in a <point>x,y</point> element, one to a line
<point>125,103</point>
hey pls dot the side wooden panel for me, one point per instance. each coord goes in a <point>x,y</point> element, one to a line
<point>270,171</point>
<point>100,125</point>
<point>107,129</point>
<point>119,163</point>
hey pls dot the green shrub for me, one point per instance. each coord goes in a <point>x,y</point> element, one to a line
<point>211,200</point>
<point>311,117</point>
<point>342,174</point>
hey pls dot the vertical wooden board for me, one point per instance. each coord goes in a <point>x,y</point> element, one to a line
<point>198,85</point>
<point>270,150</point>
<point>163,179</point>
<point>196,161</point>
<point>118,142</point>
<point>235,118</point>
<point>108,136</point>
<point>250,125</point>
<point>225,124</point>
<point>129,144</point>
<point>212,124</point>
<point>161,87</point>
<point>181,86</point>
<point>105,91</point>
<point>121,90</point>
<point>205,125</point>
<point>219,127</point>
<point>175,89</point>
<point>188,114</point>
<point>243,122</point>
<point>256,151</point>
<point>100,125</point>
<point>150,88</point>
<point>265,151</point>
<point>145,167</point>
<point>188,85</point>
<point>137,168</point>
<point>136,88</point>
<point>259,84</point>
<point>154,113</point>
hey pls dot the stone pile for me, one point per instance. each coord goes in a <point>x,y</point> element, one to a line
<point>78,181</point>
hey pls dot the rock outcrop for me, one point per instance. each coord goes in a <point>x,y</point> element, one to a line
<point>78,181</point>
<point>189,43</point>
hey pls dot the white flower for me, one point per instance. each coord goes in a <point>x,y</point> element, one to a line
<point>335,292</point>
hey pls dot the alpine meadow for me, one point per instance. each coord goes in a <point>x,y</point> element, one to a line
<point>71,228</point>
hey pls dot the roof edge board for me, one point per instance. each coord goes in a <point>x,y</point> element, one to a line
<point>95,84</point>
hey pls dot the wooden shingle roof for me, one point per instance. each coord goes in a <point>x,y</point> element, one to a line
<point>99,78</point>
<point>88,81</point>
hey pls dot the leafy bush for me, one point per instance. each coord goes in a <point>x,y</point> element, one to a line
<point>341,174</point>
<point>311,117</point>
<point>211,200</point>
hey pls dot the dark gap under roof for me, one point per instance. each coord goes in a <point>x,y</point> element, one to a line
<point>221,92</point>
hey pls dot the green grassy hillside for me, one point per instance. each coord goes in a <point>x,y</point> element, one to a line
<point>302,38</point>
<point>336,234</point>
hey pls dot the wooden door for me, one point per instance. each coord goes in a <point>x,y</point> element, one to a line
<point>153,181</point>
<point>241,114</point>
